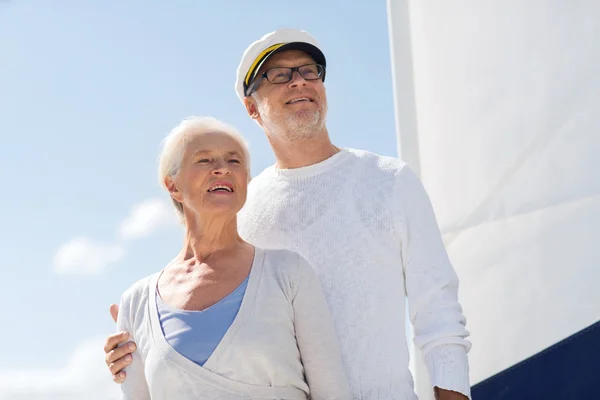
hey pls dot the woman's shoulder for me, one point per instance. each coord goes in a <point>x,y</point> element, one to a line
<point>282,255</point>
<point>139,290</point>
<point>286,264</point>
<point>134,305</point>
<point>283,258</point>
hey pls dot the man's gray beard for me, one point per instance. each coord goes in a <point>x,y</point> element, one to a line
<point>301,127</point>
<point>297,127</point>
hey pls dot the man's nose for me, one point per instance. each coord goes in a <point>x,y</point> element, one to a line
<point>297,80</point>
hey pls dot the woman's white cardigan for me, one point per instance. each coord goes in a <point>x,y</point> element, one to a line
<point>281,345</point>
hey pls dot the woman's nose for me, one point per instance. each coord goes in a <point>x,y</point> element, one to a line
<point>221,168</point>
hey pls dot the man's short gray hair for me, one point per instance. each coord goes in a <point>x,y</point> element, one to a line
<point>174,145</point>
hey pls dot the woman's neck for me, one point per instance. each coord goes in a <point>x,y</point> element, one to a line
<point>206,237</point>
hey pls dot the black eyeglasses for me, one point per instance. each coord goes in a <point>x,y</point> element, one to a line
<point>309,72</point>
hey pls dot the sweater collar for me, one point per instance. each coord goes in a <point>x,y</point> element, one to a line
<point>311,170</point>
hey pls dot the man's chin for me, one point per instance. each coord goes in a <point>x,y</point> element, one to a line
<point>303,129</point>
<point>305,117</point>
<point>302,124</point>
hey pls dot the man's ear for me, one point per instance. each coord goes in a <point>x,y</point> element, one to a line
<point>171,185</point>
<point>251,107</point>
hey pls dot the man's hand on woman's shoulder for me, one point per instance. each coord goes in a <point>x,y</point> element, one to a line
<point>117,357</point>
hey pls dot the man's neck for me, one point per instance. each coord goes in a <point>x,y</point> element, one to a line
<point>303,152</point>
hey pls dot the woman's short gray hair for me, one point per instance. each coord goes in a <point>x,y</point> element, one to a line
<point>173,147</point>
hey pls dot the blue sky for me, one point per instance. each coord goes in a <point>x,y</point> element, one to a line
<point>87,92</point>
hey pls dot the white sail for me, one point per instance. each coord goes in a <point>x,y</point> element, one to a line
<point>505,133</point>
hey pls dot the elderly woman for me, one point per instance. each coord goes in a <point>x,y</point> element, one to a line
<point>225,320</point>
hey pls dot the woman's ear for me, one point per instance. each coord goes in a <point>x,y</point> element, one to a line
<point>171,185</point>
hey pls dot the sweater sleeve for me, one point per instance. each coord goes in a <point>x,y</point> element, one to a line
<point>431,287</point>
<point>135,386</point>
<point>317,339</point>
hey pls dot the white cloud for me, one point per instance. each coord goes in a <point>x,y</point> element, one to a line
<point>84,256</point>
<point>84,377</point>
<point>146,218</point>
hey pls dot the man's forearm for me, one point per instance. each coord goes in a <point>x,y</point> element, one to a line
<point>442,394</point>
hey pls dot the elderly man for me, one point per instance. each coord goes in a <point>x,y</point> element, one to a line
<point>362,220</point>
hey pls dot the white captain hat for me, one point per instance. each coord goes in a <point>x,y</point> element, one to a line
<point>272,43</point>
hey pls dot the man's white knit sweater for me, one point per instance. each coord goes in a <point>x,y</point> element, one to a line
<point>366,225</point>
